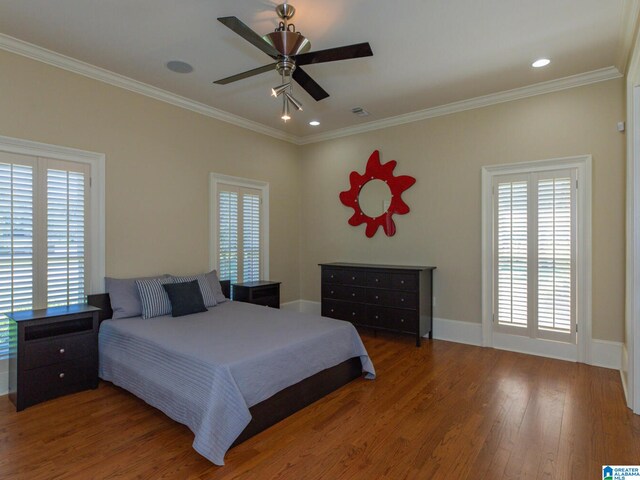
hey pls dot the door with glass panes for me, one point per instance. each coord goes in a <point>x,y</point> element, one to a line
<point>534,254</point>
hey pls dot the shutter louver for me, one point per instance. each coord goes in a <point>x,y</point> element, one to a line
<point>228,235</point>
<point>512,245</point>
<point>250,237</point>
<point>65,237</point>
<point>16,245</point>
<point>555,254</point>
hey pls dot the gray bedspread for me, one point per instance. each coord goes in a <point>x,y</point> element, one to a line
<point>205,370</point>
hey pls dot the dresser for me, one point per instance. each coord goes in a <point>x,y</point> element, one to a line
<point>397,298</point>
<point>55,353</point>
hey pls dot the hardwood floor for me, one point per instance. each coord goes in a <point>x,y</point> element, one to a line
<point>442,411</point>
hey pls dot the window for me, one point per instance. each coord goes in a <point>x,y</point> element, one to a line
<point>239,228</point>
<point>535,254</point>
<point>44,209</point>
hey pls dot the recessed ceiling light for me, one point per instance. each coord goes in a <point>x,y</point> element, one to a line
<point>314,123</point>
<point>541,62</point>
<point>179,67</point>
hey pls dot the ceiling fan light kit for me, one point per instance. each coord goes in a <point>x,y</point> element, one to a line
<point>290,50</point>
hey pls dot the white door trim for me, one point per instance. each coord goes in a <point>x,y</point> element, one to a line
<point>583,261</point>
<point>214,180</point>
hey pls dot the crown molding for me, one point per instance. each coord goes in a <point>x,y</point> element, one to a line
<point>628,27</point>
<point>572,81</point>
<point>49,57</point>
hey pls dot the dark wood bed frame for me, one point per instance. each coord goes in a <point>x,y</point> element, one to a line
<point>287,401</point>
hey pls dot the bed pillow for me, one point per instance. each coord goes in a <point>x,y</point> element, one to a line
<point>154,299</point>
<point>186,298</point>
<point>214,283</point>
<point>124,296</point>
<point>205,289</point>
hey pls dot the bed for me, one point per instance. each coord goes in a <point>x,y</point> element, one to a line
<point>232,371</point>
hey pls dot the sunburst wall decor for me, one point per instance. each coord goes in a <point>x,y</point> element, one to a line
<point>377,171</point>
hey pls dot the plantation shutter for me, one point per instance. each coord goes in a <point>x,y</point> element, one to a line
<point>534,245</point>
<point>250,236</point>
<point>556,254</point>
<point>239,233</point>
<point>67,187</point>
<point>43,232</point>
<point>16,240</point>
<point>512,248</point>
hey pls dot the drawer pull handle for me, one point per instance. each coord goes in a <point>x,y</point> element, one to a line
<point>353,294</point>
<point>62,350</point>
<point>332,310</point>
<point>402,282</point>
<point>376,297</point>
<point>377,280</point>
<point>402,320</point>
<point>376,317</point>
<point>353,314</point>
<point>331,292</point>
<point>402,299</point>
<point>61,375</point>
<point>331,276</point>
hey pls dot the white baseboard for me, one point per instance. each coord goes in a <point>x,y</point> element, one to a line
<point>457,331</point>
<point>604,353</point>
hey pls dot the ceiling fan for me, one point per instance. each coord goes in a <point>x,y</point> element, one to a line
<point>290,50</point>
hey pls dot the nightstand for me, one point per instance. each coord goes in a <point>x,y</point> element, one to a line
<point>53,352</point>
<point>259,293</point>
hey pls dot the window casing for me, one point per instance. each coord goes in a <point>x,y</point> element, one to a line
<point>239,228</point>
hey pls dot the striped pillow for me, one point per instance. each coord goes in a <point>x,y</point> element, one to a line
<point>207,294</point>
<point>154,299</point>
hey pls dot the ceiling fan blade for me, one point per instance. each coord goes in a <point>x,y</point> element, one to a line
<point>249,35</point>
<point>309,84</point>
<point>332,54</point>
<point>247,74</point>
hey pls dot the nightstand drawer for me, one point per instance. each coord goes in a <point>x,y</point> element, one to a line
<point>55,350</point>
<point>55,380</point>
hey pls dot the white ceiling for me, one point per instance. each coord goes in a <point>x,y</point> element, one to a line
<point>426,52</point>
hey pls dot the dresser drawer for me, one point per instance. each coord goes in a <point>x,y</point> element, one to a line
<point>332,276</point>
<point>55,380</point>
<point>351,312</point>
<point>354,277</point>
<point>402,320</point>
<point>378,279</point>
<point>404,281</point>
<point>55,350</point>
<point>391,298</point>
<point>344,292</point>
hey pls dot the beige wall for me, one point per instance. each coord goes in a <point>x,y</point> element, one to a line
<point>158,158</point>
<point>445,155</point>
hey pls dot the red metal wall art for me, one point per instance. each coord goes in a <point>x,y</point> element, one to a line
<point>377,171</point>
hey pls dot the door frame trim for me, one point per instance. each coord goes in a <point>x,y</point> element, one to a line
<point>583,165</point>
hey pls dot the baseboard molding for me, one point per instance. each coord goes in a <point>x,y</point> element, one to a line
<point>604,353</point>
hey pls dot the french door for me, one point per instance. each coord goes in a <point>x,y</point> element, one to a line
<point>534,255</point>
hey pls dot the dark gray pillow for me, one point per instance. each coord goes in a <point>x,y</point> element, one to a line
<point>186,298</point>
<point>214,283</point>
<point>123,292</point>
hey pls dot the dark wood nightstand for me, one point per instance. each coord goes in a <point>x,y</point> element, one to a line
<point>53,352</point>
<point>259,293</point>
